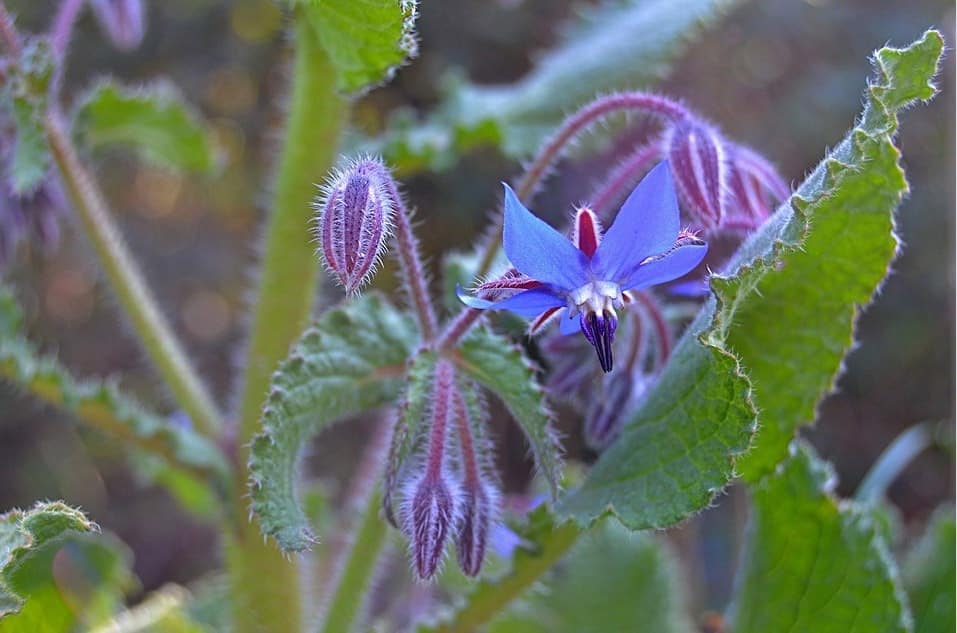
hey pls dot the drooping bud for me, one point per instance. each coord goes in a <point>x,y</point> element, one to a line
<point>354,221</point>
<point>122,21</point>
<point>429,518</point>
<point>696,153</point>
<point>35,215</point>
<point>754,184</point>
<point>478,510</point>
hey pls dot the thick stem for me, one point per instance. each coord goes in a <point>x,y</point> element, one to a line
<point>265,584</point>
<point>61,29</point>
<point>441,411</point>
<point>127,281</point>
<point>359,543</point>
<point>458,328</point>
<point>414,273</point>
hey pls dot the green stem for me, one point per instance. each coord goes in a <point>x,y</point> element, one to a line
<point>127,281</point>
<point>265,583</point>
<point>356,555</point>
<point>489,599</point>
<point>893,461</point>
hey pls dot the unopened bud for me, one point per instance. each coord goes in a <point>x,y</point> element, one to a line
<point>122,21</point>
<point>754,184</point>
<point>696,154</point>
<point>430,515</point>
<point>606,416</point>
<point>479,507</point>
<point>354,221</point>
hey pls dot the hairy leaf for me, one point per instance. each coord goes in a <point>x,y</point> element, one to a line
<point>612,580</point>
<point>928,574</point>
<point>25,96</point>
<point>812,563</point>
<point>617,45</point>
<point>785,306</point>
<point>55,572</point>
<point>365,39</point>
<point>102,405</point>
<point>154,121</point>
<point>501,367</point>
<point>351,360</point>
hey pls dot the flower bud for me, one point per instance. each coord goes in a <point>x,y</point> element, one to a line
<point>479,507</point>
<point>354,221</point>
<point>429,517</point>
<point>606,415</point>
<point>754,184</point>
<point>122,21</point>
<point>696,154</point>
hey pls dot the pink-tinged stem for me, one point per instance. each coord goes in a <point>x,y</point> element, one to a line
<point>61,29</point>
<point>458,328</point>
<point>441,408</point>
<point>662,332</point>
<point>623,178</point>
<point>466,442</point>
<point>8,32</point>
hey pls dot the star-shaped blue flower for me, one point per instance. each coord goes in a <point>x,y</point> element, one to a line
<point>588,276</point>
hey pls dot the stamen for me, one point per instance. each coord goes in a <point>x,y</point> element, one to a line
<point>599,330</point>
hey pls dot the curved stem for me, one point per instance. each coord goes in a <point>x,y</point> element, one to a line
<point>651,309</point>
<point>8,32</point>
<point>360,543</point>
<point>413,270</point>
<point>266,596</point>
<point>61,29</point>
<point>625,175</point>
<point>893,461</point>
<point>127,281</point>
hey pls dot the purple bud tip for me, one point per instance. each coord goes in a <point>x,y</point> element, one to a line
<point>430,515</point>
<point>354,221</point>
<point>479,507</point>
<point>123,21</point>
<point>696,153</point>
<point>599,329</point>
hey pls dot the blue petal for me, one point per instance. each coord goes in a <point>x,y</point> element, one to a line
<point>676,263</point>
<point>646,225</point>
<point>528,304</point>
<point>569,325</point>
<point>538,250</point>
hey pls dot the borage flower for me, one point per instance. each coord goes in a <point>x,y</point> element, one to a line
<point>587,276</point>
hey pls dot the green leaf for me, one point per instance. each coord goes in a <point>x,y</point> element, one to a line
<point>367,40</point>
<point>102,405</point>
<point>617,45</point>
<point>812,563</point>
<point>928,572</point>
<point>612,580</point>
<point>809,267</point>
<point>163,611</point>
<point>25,94</point>
<point>351,360</point>
<point>56,573</point>
<point>154,121</point>
<point>501,367</point>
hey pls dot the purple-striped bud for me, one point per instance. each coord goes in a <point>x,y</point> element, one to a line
<point>479,509</point>
<point>696,153</point>
<point>606,414</point>
<point>35,215</point>
<point>754,184</point>
<point>429,517</point>
<point>122,21</point>
<point>354,221</point>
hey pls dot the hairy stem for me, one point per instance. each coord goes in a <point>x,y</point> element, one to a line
<point>127,281</point>
<point>622,179</point>
<point>8,32</point>
<point>489,600</point>
<point>62,27</point>
<point>413,270</point>
<point>359,542</point>
<point>265,584</point>
<point>649,306</point>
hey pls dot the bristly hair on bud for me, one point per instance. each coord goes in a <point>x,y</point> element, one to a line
<point>354,219</point>
<point>698,159</point>
<point>123,21</point>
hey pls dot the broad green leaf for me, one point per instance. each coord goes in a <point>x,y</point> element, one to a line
<point>785,307</point>
<point>367,40</point>
<point>154,121</point>
<point>612,580</point>
<point>501,367</point>
<point>543,543</point>
<point>25,96</point>
<point>616,45</point>
<point>56,573</point>
<point>102,406</point>
<point>813,563</point>
<point>928,573</point>
<point>351,360</point>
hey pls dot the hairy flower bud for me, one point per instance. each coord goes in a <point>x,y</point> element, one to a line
<point>479,507</point>
<point>35,215</point>
<point>122,21</point>
<point>429,517</point>
<point>354,221</point>
<point>754,184</point>
<point>696,153</point>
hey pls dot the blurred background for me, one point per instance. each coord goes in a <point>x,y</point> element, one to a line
<point>783,76</point>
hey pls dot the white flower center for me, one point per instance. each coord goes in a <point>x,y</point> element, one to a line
<point>598,297</point>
